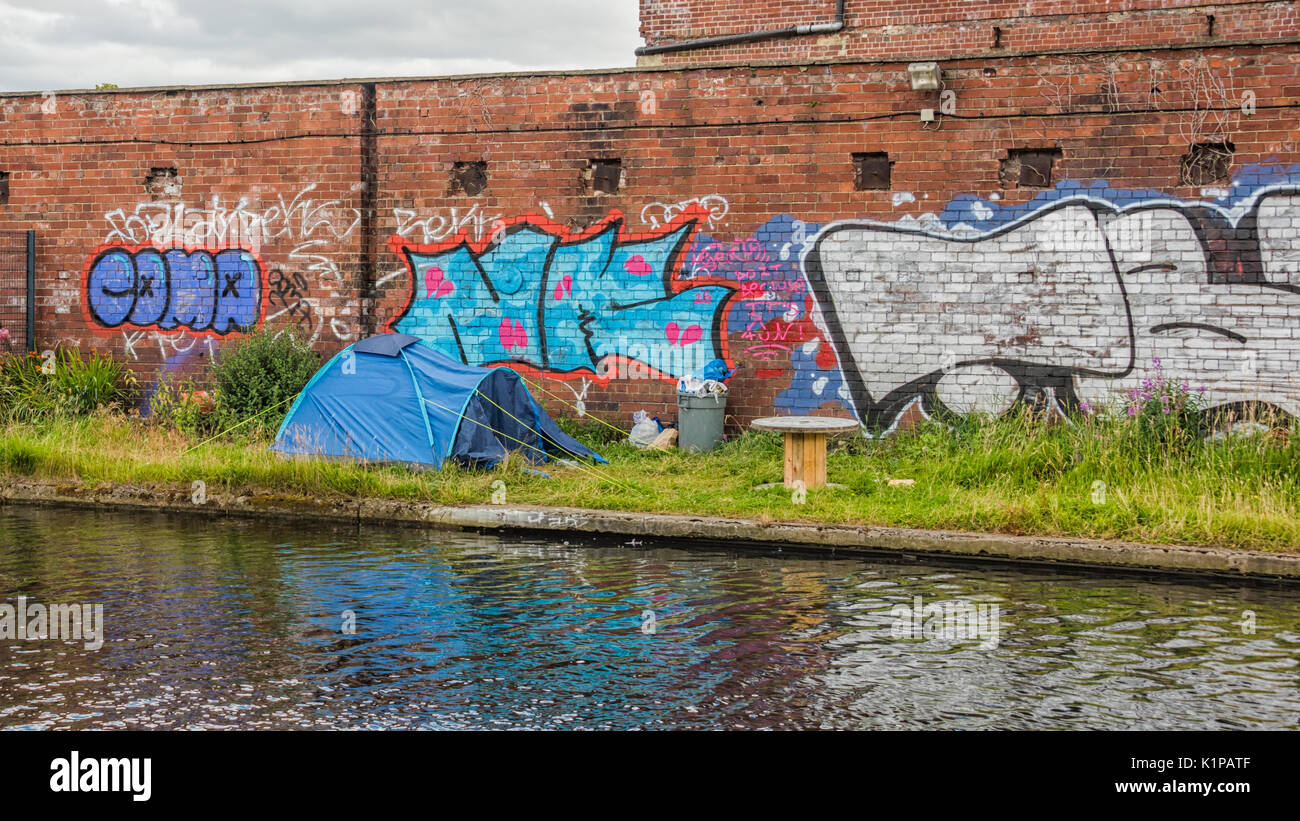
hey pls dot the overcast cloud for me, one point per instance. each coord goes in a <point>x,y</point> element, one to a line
<point>61,44</point>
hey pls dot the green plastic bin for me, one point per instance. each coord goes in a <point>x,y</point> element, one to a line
<point>699,422</point>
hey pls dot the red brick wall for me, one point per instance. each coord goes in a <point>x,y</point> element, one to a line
<point>946,28</point>
<point>665,21</point>
<point>752,143</point>
<point>88,189</point>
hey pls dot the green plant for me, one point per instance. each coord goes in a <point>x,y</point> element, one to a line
<point>82,384</point>
<point>177,401</point>
<point>18,457</point>
<point>23,388</point>
<point>256,377</point>
<point>35,387</point>
<point>1168,412</point>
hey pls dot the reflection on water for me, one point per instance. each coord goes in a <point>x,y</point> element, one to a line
<point>221,624</point>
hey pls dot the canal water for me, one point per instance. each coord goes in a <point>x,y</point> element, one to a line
<point>214,623</point>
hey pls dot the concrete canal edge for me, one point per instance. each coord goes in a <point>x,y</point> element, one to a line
<point>657,527</point>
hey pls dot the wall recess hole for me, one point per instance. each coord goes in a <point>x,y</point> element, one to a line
<point>997,37</point>
<point>604,176</point>
<point>871,171</point>
<point>1029,167</point>
<point>1206,163</point>
<point>4,187</point>
<point>163,183</point>
<point>469,178</point>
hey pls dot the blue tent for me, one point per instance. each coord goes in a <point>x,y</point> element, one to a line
<point>391,398</point>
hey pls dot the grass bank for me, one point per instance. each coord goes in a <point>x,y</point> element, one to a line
<point>1095,479</point>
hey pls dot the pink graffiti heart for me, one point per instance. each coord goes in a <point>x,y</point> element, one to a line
<point>677,336</point>
<point>434,285</point>
<point>563,288</point>
<point>637,266</point>
<point>512,334</point>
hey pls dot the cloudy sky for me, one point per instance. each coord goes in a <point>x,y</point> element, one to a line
<point>60,44</point>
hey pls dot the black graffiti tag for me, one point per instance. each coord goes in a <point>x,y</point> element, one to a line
<point>287,299</point>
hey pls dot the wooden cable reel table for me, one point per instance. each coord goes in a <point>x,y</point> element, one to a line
<point>805,445</point>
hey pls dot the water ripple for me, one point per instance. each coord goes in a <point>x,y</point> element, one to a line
<point>245,625</point>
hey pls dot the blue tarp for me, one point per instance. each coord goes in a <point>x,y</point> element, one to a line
<point>391,398</point>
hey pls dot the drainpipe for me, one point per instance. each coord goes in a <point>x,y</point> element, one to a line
<point>751,36</point>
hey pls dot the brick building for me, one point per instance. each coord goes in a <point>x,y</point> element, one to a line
<point>1068,193</point>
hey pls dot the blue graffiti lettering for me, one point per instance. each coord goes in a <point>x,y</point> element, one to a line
<point>217,292</point>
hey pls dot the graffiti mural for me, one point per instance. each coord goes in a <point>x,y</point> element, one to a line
<point>602,302</point>
<point>206,292</point>
<point>771,315</point>
<point>1063,301</point>
<point>309,234</point>
<point>1080,293</point>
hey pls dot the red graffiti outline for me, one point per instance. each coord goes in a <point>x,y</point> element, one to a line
<point>106,332</point>
<point>692,215</point>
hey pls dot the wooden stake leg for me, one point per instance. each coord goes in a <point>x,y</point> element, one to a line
<point>805,460</point>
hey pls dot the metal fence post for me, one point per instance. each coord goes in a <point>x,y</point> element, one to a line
<point>31,290</point>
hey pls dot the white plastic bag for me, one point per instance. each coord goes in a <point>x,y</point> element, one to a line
<point>644,429</point>
<point>693,386</point>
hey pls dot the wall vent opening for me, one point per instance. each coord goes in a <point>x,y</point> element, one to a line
<point>1206,164</point>
<point>1029,167</point>
<point>871,171</point>
<point>604,176</point>
<point>469,178</point>
<point>162,184</point>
